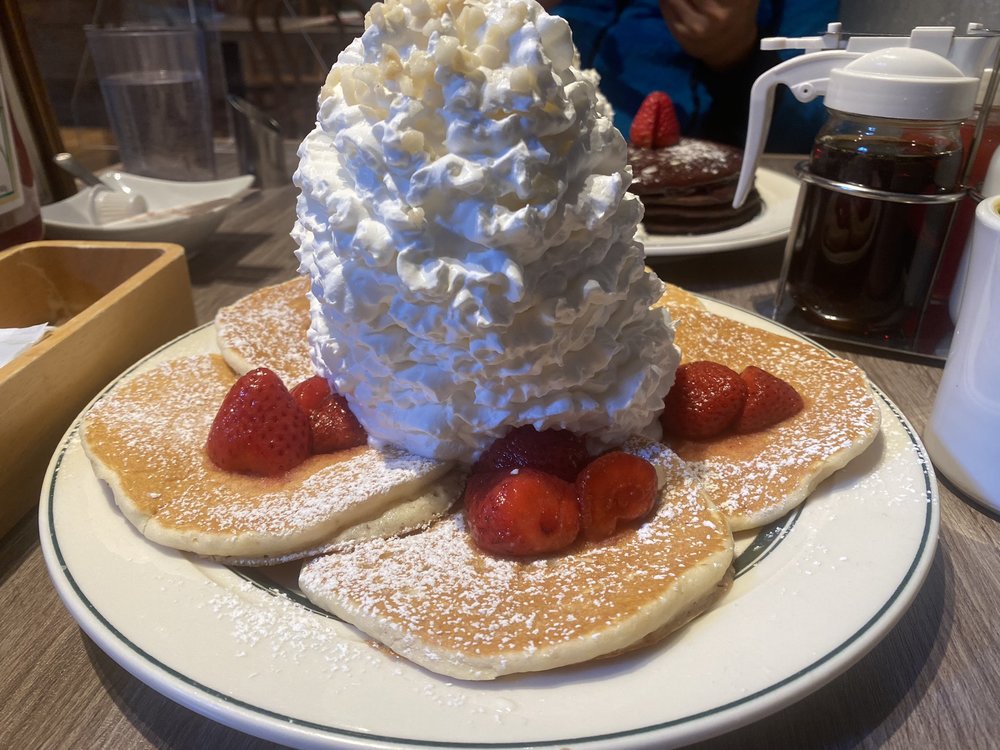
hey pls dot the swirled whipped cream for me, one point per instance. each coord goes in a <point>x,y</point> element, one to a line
<point>464,219</point>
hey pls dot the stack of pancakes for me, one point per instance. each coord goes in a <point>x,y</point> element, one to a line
<point>688,188</point>
<point>386,545</point>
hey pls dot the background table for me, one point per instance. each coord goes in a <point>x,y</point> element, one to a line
<point>934,681</point>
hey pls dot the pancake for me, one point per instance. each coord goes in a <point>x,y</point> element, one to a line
<point>406,517</point>
<point>758,477</point>
<point>689,188</point>
<point>439,601</point>
<point>267,328</point>
<point>432,596</point>
<point>146,438</point>
<point>674,296</point>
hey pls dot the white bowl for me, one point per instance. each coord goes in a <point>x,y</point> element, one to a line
<point>71,219</point>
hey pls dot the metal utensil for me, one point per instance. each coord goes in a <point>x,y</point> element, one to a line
<point>75,168</point>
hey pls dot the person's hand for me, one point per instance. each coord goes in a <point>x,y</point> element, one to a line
<point>720,33</point>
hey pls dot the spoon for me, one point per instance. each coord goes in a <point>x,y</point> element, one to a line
<point>109,201</point>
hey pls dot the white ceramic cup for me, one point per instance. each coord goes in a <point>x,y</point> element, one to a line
<point>963,434</point>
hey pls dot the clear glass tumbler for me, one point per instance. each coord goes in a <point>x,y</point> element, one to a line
<point>155,86</point>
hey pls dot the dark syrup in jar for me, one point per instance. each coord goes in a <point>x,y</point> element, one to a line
<point>865,264</point>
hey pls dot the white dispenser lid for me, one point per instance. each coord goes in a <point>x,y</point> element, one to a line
<point>902,83</point>
<point>932,75</point>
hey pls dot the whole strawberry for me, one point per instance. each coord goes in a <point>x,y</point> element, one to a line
<point>334,426</point>
<point>769,400</point>
<point>705,399</point>
<point>557,452</point>
<point>655,124</point>
<point>259,429</point>
<point>521,513</point>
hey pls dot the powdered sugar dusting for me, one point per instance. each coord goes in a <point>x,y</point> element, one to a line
<point>899,487</point>
<point>760,476</point>
<point>690,161</point>
<point>268,328</point>
<point>290,634</point>
<point>435,596</point>
<point>690,151</point>
<point>149,434</point>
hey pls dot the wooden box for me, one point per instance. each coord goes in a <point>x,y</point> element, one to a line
<point>111,304</point>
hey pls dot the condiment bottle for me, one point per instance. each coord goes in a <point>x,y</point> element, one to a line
<point>883,178</point>
<point>20,215</point>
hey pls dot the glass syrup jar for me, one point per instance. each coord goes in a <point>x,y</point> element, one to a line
<point>878,198</point>
<point>883,178</point>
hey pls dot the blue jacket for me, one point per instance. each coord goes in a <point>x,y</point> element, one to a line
<point>629,44</point>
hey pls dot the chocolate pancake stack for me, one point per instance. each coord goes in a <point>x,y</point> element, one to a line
<point>688,188</point>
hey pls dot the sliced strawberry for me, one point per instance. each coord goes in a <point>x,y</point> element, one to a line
<point>613,488</point>
<point>705,399</point>
<point>655,124</point>
<point>311,392</point>
<point>557,452</point>
<point>334,426</point>
<point>769,400</point>
<point>521,513</point>
<point>259,429</point>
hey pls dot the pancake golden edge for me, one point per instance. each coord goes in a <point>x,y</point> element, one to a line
<point>758,477</point>
<point>439,601</point>
<point>145,438</point>
<point>407,516</point>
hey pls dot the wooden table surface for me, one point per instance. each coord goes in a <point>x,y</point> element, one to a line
<point>934,681</point>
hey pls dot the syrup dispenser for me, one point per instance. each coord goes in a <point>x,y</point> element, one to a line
<point>883,179</point>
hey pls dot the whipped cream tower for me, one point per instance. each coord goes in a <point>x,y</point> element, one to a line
<point>464,219</point>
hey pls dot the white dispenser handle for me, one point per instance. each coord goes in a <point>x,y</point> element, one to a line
<point>807,77</point>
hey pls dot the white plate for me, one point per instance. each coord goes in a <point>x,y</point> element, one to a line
<point>812,595</point>
<point>71,219</point>
<point>778,193</point>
